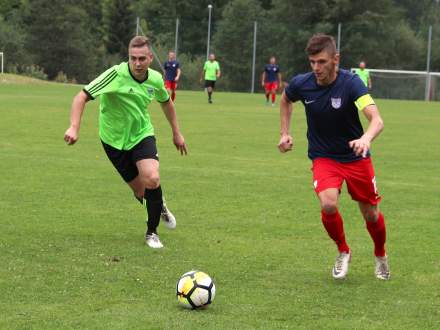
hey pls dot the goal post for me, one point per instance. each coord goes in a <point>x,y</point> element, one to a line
<point>405,84</point>
<point>1,62</point>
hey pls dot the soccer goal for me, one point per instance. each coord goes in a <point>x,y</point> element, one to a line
<point>1,61</point>
<point>403,84</point>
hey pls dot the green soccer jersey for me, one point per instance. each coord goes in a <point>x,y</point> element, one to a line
<point>364,75</point>
<point>211,69</point>
<point>124,119</point>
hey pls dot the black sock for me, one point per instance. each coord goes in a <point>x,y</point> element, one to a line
<point>209,95</point>
<point>154,208</point>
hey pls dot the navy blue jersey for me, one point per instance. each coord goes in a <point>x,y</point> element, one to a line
<point>332,116</point>
<point>271,72</point>
<point>171,69</point>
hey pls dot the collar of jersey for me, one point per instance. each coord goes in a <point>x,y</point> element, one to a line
<point>134,78</point>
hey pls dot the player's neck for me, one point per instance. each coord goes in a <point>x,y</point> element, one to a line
<point>329,79</point>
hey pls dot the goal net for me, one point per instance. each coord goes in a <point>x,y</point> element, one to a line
<point>402,84</point>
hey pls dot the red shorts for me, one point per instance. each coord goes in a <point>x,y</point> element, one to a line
<point>169,84</point>
<point>271,86</point>
<point>358,175</point>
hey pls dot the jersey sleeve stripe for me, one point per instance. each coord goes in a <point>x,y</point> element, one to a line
<point>104,82</point>
<point>364,101</point>
<point>96,83</point>
<point>88,94</point>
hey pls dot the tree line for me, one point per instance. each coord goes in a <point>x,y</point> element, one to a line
<point>74,40</point>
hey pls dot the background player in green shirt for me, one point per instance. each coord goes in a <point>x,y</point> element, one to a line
<point>211,72</point>
<point>127,134</point>
<point>364,74</point>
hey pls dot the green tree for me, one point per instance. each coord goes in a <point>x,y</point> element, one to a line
<point>119,26</point>
<point>13,36</point>
<point>60,40</point>
<point>233,42</point>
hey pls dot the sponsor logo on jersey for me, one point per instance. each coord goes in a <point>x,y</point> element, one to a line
<point>336,102</point>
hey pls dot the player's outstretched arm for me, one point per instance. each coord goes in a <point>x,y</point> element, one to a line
<point>170,114</point>
<point>375,127</point>
<point>78,104</point>
<point>286,108</point>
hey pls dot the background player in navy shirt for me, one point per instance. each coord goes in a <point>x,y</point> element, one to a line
<point>171,74</point>
<point>271,79</point>
<point>338,146</point>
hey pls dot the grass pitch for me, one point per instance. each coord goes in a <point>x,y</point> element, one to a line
<point>71,234</point>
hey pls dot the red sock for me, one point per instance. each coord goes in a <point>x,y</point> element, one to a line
<point>173,95</point>
<point>335,229</point>
<point>377,232</point>
<point>273,97</point>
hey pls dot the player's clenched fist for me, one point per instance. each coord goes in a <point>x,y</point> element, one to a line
<point>71,136</point>
<point>286,143</point>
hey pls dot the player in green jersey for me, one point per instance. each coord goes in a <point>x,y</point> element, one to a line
<point>364,74</point>
<point>211,72</point>
<point>126,90</point>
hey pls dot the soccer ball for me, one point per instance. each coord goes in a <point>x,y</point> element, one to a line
<point>195,289</point>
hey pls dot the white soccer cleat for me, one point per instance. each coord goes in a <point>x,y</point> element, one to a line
<point>153,241</point>
<point>340,269</point>
<point>167,217</point>
<point>382,268</point>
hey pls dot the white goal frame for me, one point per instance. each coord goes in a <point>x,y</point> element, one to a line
<point>426,74</point>
<point>2,60</point>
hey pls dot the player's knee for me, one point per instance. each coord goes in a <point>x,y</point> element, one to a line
<point>329,206</point>
<point>371,215</point>
<point>151,180</point>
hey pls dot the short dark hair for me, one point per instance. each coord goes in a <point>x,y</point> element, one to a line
<point>138,42</point>
<point>320,42</point>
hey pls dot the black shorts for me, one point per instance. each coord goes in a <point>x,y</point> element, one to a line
<point>210,83</point>
<point>125,160</point>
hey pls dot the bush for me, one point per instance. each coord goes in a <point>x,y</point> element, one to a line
<point>61,77</point>
<point>33,71</point>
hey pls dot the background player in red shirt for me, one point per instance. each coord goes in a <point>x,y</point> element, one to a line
<point>271,79</point>
<point>338,146</point>
<point>172,74</point>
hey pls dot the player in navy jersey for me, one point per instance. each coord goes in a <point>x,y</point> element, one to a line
<point>172,74</point>
<point>338,146</point>
<point>271,79</point>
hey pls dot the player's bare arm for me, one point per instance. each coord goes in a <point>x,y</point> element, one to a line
<point>170,114</point>
<point>78,104</point>
<point>263,78</point>
<point>218,74</point>
<point>178,75</point>
<point>375,127</point>
<point>202,75</point>
<point>286,108</point>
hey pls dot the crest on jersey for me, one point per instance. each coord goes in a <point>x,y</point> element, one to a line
<point>150,91</point>
<point>336,102</point>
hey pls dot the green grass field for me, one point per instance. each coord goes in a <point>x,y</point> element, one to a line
<point>247,215</point>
